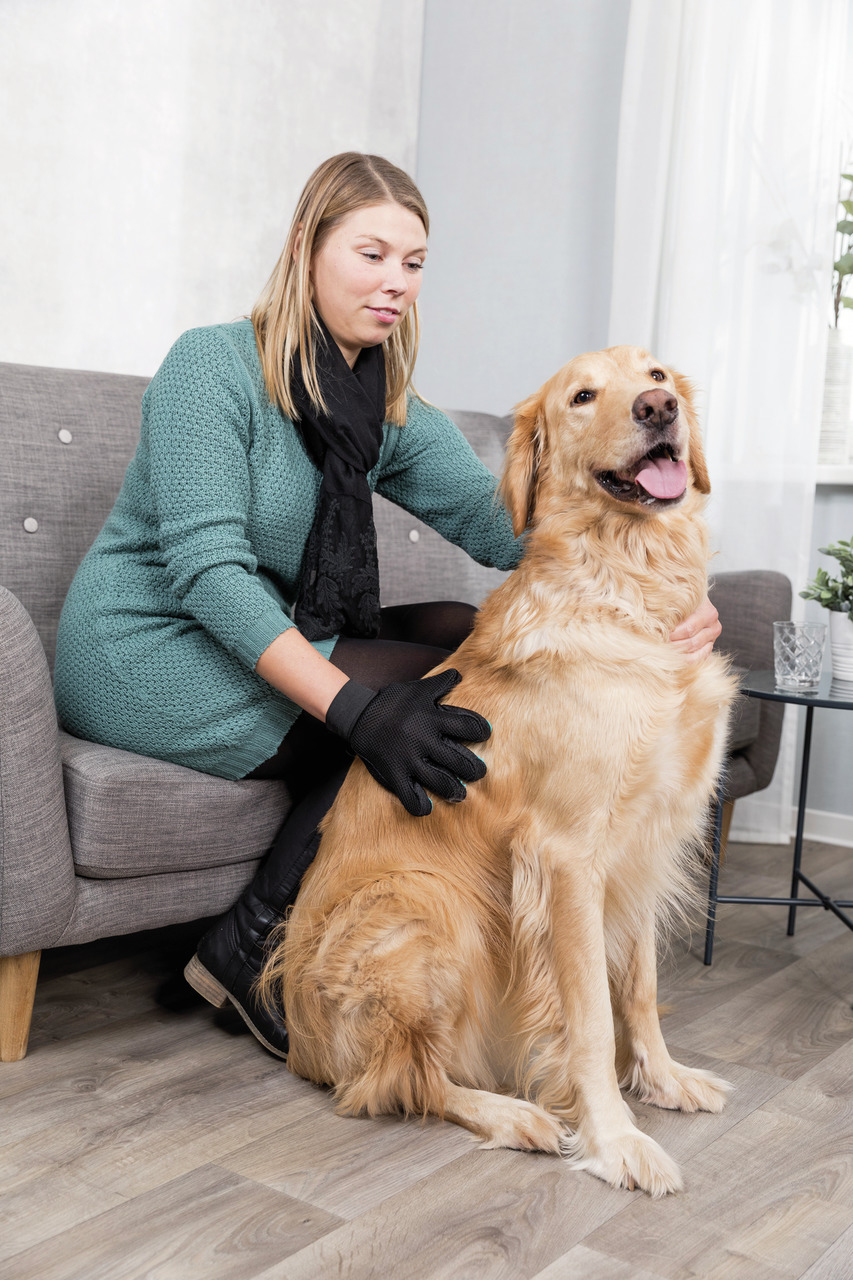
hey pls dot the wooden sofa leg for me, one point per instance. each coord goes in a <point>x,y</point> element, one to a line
<point>17,992</point>
<point>728,810</point>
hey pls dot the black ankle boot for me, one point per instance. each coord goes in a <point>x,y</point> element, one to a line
<point>230,956</point>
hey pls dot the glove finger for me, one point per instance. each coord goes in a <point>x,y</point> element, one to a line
<point>445,754</point>
<point>441,683</point>
<point>440,782</point>
<point>459,761</point>
<point>419,805</point>
<point>411,795</point>
<point>463,724</point>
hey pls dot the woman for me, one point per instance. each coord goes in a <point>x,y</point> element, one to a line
<point>227,616</point>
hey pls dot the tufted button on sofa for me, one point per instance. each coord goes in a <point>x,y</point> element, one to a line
<point>95,841</point>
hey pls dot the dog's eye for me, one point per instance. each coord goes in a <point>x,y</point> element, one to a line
<point>584,397</point>
<point>658,375</point>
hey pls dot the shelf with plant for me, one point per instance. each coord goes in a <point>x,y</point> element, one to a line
<point>842,270</point>
<point>835,454</point>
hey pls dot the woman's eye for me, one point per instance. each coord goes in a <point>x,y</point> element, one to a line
<point>584,397</point>
<point>371,254</point>
<point>658,375</point>
<point>415,266</point>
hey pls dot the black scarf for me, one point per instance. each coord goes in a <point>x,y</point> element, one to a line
<point>339,582</point>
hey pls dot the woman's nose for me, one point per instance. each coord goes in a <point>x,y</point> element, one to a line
<point>396,280</point>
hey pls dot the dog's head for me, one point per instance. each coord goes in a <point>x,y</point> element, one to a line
<point>615,426</point>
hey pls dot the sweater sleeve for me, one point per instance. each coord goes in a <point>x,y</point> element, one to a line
<point>435,474</point>
<point>196,428</point>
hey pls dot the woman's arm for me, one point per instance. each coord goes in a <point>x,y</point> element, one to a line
<point>194,447</point>
<point>293,666</point>
<point>434,473</point>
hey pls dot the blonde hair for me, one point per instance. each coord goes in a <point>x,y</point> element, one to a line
<point>284,318</point>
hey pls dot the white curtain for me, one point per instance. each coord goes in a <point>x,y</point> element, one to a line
<point>727,178</point>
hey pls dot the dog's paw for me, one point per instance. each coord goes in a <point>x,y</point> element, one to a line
<point>523,1126</point>
<point>632,1160</point>
<point>679,1088</point>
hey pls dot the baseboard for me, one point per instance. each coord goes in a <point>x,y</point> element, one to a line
<point>827,828</point>
<point>759,824</point>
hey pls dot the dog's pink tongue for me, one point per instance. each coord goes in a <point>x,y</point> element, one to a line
<point>663,478</point>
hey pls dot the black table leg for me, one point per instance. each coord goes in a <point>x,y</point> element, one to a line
<point>715,869</point>
<point>801,819</point>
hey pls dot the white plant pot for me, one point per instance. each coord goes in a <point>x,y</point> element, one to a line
<point>841,645</point>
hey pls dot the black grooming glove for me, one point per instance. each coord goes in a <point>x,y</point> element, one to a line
<point>408,741</point>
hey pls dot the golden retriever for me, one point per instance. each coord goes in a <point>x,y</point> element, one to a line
<point>495,962</point>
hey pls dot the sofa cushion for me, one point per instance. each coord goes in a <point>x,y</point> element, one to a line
<point>131,815</point>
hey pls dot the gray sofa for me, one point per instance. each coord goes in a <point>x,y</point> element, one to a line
<point>95,841</point>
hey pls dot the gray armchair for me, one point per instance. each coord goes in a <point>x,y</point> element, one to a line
<point>95,841</point>
<point>748,603</point>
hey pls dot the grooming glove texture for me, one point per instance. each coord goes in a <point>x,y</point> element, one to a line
<point>408,741</point>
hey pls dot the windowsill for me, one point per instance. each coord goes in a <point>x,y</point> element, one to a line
<point>835,473</point>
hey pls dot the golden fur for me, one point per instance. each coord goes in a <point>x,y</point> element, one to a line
<point>495,962</point>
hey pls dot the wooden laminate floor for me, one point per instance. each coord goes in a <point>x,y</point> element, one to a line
<point>144,1136</point>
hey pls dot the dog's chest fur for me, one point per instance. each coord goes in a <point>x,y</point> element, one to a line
<point>616,726</point>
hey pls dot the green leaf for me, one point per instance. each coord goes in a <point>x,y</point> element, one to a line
<point>845,227</point>
<point>844,265</point>
<point>847,204</point>
<point>847,302</point>
<point>848,177</point>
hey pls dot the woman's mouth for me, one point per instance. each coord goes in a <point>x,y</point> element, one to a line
<point>387,315</point>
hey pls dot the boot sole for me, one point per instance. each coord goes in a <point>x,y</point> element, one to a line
<point>202,981</point>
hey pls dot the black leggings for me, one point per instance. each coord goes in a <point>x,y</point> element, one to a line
<point>412,639</point>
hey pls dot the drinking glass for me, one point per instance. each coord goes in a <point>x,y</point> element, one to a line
<point>798,654</point>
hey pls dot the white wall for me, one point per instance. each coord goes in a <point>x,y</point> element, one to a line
<point>516,159</point>
<point>153,151</point>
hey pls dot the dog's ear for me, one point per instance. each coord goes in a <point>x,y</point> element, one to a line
<point>523,456</point>
<point>686,393</point>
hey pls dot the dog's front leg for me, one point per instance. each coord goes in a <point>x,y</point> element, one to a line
<point>643,1063</point>
<point>583,1083</point>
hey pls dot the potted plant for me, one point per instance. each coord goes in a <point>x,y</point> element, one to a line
<point>836,437</point>
<point>836,594</point>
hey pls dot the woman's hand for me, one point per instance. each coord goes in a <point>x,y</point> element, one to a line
<point>409,741</point>
<point>696,635</point>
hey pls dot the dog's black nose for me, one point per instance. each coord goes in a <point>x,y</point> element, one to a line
<point>655,409</point>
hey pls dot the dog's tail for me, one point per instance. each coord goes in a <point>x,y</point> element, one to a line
<point>403,1069</point>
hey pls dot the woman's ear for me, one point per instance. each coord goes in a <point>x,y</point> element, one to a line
<point>686,394</point>
<point>521,467</point>
<point>297,243</point>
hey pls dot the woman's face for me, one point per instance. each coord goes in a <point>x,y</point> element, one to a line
<point>367,274</point>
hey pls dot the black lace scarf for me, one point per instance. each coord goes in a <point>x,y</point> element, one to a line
<point>339,581</point>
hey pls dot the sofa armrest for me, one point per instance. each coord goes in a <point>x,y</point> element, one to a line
<point>748,604</point>
<point>36,867</point>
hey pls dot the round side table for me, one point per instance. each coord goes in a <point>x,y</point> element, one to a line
<point>830,693</point>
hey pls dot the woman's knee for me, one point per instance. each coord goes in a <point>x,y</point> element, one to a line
<point>377,663</point>
<point>444,624</point>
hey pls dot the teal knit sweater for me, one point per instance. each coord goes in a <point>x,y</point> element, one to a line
<point>196,569</point>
